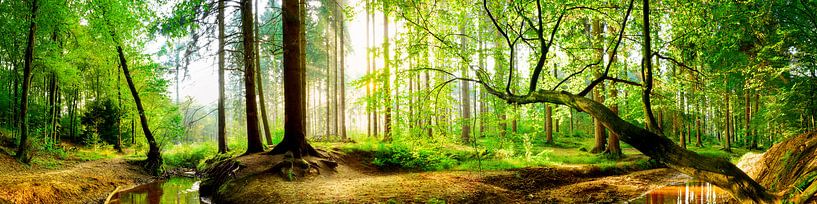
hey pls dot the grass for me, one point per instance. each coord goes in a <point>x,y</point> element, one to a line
<point>488,154</point>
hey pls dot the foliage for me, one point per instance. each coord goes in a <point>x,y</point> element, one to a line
<point>189,155</point>
<point>101,123</point>
<point>397,156</point>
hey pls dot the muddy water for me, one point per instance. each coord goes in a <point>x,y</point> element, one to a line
<point>690,192</point>
<point>178,190</point>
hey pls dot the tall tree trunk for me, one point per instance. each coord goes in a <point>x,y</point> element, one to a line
<point>331,75</point>
<point>328,90</point>
<point>369,115</point>
<point>260,81</point>
<point>647,71</point>
<point>387,134</point>
<point>598,130</point>
<point>294,85</point>
<point>465,134</point>
<point>22,149</point>
<point>254,143</point>
<point>342,81</point>
<point>222,126</point>
<point>374,82</point>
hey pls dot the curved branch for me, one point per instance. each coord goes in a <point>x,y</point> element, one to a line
<point>574,74</point>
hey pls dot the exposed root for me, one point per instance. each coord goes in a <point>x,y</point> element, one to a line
<point>292,168</point>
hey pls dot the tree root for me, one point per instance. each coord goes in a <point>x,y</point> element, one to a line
<point>292,168</point>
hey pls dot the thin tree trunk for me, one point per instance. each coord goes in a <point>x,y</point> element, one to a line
<point>342,106</point>
<point>154,160</point>
<point>729,134</point>
<point>260,81</point>
<point>464,93</point>
<point>386,75</point>
<point>222,122</point>
<point>548,124</point>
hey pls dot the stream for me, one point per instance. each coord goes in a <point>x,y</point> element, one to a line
<point>179,190</point>
<point>689,192</point>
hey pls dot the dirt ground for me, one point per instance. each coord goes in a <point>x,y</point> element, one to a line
<point>86,182</point>
<point>356,182</point>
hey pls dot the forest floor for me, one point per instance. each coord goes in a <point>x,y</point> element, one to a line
<point>78,183</point>
<point>356,181</point>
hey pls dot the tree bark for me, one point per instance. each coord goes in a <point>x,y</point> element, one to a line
<point>222,122</point>
<point>294,85</point>
<point>254,143</point>
<point>613,146</point>
<point>22,154</point>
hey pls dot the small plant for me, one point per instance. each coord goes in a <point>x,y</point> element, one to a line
<point>290,174</point>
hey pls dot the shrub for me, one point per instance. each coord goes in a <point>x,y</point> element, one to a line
<point>188,156</point>
<point>398,156</point>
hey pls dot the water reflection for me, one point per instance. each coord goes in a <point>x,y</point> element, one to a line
<point>174,190</point>
<point>690,192</point>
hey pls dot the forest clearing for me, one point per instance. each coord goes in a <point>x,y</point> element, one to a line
<point>408,101</point>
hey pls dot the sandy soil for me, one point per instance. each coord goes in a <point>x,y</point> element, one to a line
<point>80,183</point>
<point>356,182</point>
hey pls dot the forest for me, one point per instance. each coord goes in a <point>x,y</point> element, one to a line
<point>408,101</point>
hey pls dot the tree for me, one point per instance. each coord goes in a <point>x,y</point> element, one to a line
<point>294,90</point>
<point>22,148</point>
<point>646,71</point>
<point>387,134</point>
<point>254,143</point>
<point>465,90</point>
<point>154,160</point>
<point>548,124</point>
<point>222,121</point>
<point>342,105</point>
<point>260,81</point>
<point>598,129</point>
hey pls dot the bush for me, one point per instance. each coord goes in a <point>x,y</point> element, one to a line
<point>188,156</point>
<point>396,156</point>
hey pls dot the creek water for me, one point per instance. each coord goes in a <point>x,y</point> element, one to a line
<point>179,190</point>
<point>689,192</point>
